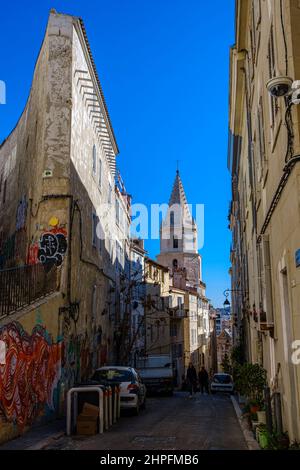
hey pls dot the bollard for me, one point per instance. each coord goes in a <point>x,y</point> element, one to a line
<point>74,391</point>
<point>109,391</point>
<point>119,402</point>
<point>115,412</point>
<point>106,408</point>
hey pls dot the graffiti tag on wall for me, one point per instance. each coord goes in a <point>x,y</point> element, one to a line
<point>51,247</point>
<point>21,214</point>
<point>81,356</point>
<point>30,373</point>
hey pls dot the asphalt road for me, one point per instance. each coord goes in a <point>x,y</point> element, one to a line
<point>169,423</point>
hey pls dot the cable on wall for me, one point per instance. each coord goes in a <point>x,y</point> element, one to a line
<point>284,38</point>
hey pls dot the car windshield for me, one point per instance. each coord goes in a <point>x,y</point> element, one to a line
<point>113,375</point>
<point>222,378</point>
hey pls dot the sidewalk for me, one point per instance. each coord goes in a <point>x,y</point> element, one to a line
<point>248,435</point>
<point>38,437</point>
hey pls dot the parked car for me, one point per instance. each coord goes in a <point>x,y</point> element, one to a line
<point>133,391</point>
<point>222,382</point>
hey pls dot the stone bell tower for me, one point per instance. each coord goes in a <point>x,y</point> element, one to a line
<point>178,239</point>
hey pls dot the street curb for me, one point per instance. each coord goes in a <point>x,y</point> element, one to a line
<point>252,444</point>
<point>42,444</point>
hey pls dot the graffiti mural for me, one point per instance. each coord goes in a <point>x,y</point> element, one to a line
<point>81,355</point>
<point>21,214</point>
<point>30,373</point>
<point>51,247</point>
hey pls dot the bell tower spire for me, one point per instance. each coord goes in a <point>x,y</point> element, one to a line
<point>178,236</point>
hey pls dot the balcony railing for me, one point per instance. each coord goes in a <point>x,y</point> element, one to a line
<point>22,285</point>
<point>177,312</point>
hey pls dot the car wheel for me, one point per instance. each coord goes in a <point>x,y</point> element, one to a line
<point>212,392</point>
<point>143,406</point>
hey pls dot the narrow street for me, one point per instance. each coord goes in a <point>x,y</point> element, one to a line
<point>169,423</point>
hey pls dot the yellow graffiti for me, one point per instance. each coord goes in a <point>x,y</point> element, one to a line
<point>53,222</point>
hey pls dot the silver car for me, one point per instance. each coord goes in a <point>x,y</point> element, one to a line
<point>133,391</point>
<point>222,382</point>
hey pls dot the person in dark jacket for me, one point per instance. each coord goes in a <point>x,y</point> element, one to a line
<point>203,380</point>
<point>191,379</point>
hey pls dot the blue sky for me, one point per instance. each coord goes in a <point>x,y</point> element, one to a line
<point>163,65</point>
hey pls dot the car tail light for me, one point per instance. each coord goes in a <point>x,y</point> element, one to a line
<point>133,388</point>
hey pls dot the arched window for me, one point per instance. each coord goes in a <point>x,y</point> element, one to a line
<point>175,263</point>
<point>94,158</point>
<point>172,218</point>
<point>100,172</point>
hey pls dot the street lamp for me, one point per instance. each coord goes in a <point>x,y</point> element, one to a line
<point>226,294</point>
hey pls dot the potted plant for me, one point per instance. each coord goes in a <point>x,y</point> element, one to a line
<point>250,380</point>
<point>261,416</point>
<point>283,441</point>
<point>263,436</point>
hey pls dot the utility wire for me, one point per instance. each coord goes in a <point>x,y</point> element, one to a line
<point>284,38</point>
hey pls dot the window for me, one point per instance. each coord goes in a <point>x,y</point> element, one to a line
<point>94,159</point>
<point>175,242</point>
<point>94,229</point>
<point>175,264</point>
<point>117,211</point>
<point>261,136</point>
<point>272,73</point>
<point>100,173</point>
<point>172,218</point>
<point>173,329</point>
<point>194,336</point>
<point>109,193</point>
<point>94,301</point>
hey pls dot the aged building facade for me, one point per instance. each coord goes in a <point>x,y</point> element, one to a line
<point>264,216</point>
<point>157,315</point>
<point>61,233</point>
<point>179,252</point>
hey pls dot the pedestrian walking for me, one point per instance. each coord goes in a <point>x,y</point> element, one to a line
<point>191,379</point>
<point>203,380</point>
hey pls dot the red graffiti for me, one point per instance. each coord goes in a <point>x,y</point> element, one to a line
<point>33,252</point>
<point>30,374</point>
